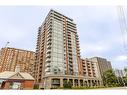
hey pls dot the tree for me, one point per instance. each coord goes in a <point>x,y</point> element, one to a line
<point>125,70</point>
<point>125,80</point>
<point>109,78</point>
<point>120,81</point>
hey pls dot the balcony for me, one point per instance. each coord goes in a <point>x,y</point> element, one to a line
<point>71,24</point>
<point>89,70</point>
<point>47,70</point>
<point>57,15</point>
<point>71,29</point>
<point>47,64</point>
<point>69,49</point>
<point>48,47</point>
<point>58,18</point>
<point>84,69</point>
<point>69,41</point>
<point>48,59</point>
<point>48,55</point>
<point>84,65</point>
<point>49,37</point>
<point>48,51</point>
<point>49,42</point>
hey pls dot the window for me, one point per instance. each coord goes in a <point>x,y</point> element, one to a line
<point>54,58</point>
<point>54,54</point>
<point>60,55</point>
<point>60,47</point>
<point>55,45</point>
<point>59,51</point>
<point>59,59</point>
<point>55,42</point>
<point>54,49</point>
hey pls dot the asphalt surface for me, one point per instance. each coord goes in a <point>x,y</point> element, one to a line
<point>114,88</point>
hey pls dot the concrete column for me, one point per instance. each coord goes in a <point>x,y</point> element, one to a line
<point>87,83</point>
<point>73,83</point>
<point>95,83</point>
<point>83,83</point>
<point>100,83</point>
<point>44,83</point>
<point>67,79</point>
<point>90,83</point>
<point>79,83</point>
<point>50,83</point>
<point>61,82</point>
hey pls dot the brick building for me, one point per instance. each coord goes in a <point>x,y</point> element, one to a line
<point>16,80</point>
<point>11,57</point>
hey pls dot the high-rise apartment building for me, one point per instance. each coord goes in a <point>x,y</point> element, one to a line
<point>102,63</point>
<point>58,53</point>
<point>11,57</point>
<point>119,73</point>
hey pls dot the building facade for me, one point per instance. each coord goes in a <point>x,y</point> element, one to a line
<point>91,71</point>
<point>16,80</point>
<point>58,53</point>
<point>11,57</point>
<point>102,64</point>
<point>90,68</point>
<point>119,73</point>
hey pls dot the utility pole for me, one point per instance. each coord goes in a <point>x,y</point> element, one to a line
<point>123,26</point>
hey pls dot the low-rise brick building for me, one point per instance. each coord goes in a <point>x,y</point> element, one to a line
<point>16,80</point>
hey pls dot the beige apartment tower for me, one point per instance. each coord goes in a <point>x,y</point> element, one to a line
<point>58,53</point>
<point>102,63</point>
<point>12,57</point>
<point>90,70</point>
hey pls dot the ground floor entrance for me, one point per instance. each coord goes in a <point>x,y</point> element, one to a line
<point>53,82</point>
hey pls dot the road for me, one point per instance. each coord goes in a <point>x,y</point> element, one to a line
<point>114,88</point>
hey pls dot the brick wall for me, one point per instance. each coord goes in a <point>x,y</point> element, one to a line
<point>7,84</point>
<point>28,84</point>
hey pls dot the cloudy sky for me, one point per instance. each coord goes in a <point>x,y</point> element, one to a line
<point>98,28</point>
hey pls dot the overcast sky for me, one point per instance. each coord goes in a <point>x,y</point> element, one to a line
<point>98,29</point>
